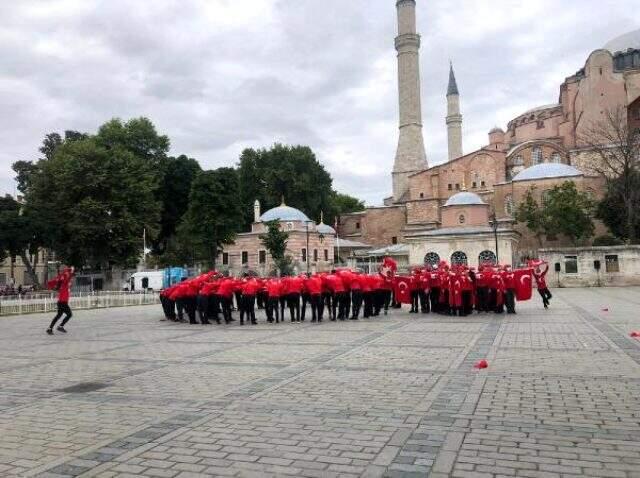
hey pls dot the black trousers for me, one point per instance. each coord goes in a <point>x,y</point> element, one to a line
<point>423,295</point>
<point>294,306</point>
<point>63,308</point>
<point>203,308</point>
<point>347,304</point>
<point>238,296</point>
<point>356,303</point>
<point>435,298</point>
<point>273,309</point>
<point>306,299</point>
<point>414,301</point>
<point>482,298</point>
<point>316,308</point>
<point>467,302</point>
<point>386,297</point>
<point>248,309</point>
<point>181,305</point>
<point>368,304</point>
<point>546,295</point>
<point>191,304</point>
<point>339,306</point>
<point>226,308</point>
<point>283,303</point>
<point>510,301</point>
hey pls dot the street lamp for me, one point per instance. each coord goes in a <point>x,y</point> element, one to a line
<point>494,226</point>
<point>306,225</point>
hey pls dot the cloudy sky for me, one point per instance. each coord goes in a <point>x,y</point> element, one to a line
<point>218,76</point>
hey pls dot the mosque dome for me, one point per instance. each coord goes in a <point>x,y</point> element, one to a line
<point>546,171</point>
<point>624,42</point>
<point>496,129</point>
<point>323,228</point>
<point>465,199</point>
<point>284,213</point>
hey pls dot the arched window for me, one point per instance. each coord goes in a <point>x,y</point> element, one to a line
<point>536,155</point>
<point>518,160</point>
<point>459,258</point>
<point>508,204</point>
<point>556,158</point>
<point>432,258</point>
<point>487,257</point>
<point>462,219</point>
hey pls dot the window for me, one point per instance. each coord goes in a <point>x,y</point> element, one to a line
<point>262,257</point>
<point>432,258</point>
<point>570,264</point>
<point>508,204</point>
<point>450,187</point>
<point>245,257</point>
<point>457,187</point>
<point>462,219</point>
<point>611,263</point>
<point>394,240</point>
<point>326,255</point>
<point>556,158</point>
<point>536,156</point>
<point>474,185</point>
<point>518,160</point>
<point>290,226</point>
<point>487,257</point>
<point>540,124</point>
<point>421,195</point>
<point>482,184</point>
<point>459,258</point>
<point>315,255</point>
<point>357,225</point>
<point>225,258</point>
<point>304,255</point>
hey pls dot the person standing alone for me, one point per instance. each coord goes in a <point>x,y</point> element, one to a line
<point>62,283</point>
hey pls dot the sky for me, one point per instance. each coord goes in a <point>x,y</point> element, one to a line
<point>218,76</point>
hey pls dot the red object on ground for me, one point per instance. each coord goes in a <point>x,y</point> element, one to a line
<point>635,334</point>
<point>480,364</point>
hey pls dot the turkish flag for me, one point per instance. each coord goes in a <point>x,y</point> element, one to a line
<point>524,284</point>
<point>401,289</point>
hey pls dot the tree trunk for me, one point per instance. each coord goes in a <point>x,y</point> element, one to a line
<point>30,270</point>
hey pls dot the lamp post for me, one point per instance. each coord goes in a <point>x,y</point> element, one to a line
<point>494,226</point>
<point>306,225</point>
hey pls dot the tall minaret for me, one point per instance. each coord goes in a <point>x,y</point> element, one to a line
<point>410,156</point>
<point>454,118</point>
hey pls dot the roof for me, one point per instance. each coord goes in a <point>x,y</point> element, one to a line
<point>393,250</point>
<point>284,213</point>
<point>465,199</point>
<point>452,89</point>
<point>346,243</point>
<point>540,108</point>
<point>323,228</point>
<point>629,40</point>
<point>496,129</point>
<point>547,170</point>
<point>445,231</point>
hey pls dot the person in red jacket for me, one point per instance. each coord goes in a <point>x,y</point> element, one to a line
<point>225,296</point>
<point>314,288</point>
<point>294,286</point>
<point>249,290</point>
<point>62,283</point>
<point>455,292</point>
<point>274,292</point>
<point>345,277</point>
<point>168,305</point>
<point>434,282</point>
<point>482,289</point>
<point>509,280</point>
<point>540,273</point>
<point>356,295</point>
<point>498,290</point>
<point>367,296</point>
<point>414,287</point>
<point>424,290</point>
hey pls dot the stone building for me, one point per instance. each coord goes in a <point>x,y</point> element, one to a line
<point>540,149</point>
<point>310,245</point>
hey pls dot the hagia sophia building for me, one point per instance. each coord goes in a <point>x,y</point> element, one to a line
<point>462,211</point>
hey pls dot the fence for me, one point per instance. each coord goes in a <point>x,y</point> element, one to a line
<point>47,302</point>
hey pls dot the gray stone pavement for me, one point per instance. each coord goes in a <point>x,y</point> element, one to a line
<point>124,394</point>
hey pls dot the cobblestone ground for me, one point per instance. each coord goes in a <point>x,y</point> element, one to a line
<point>124,394</point>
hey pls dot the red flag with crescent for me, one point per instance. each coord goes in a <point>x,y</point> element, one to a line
<point>524,284</point>
<point>401,289</point>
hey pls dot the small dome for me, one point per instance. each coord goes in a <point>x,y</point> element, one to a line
<point>464,199</point>
<point>496,130</point>
<point>624,42</point>
<point>284,213</point>
<point>322,228</point>
<point>547,170</point>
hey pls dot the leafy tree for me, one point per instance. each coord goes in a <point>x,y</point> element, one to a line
<point>18,235</point>
<point>292,173</point>
<point>610,207</point>
<point>616,147</point>
<point>178,176</point>
<point>275,241</point>
<point>530,213</point>
<point>212,217</point>
<point>138,136</point>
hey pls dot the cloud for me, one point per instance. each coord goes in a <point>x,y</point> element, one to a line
<point>218,76</point>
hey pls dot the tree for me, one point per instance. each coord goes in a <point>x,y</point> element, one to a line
<point>275,241</point>
<point>214,211</point>
<point>616,148</point>
<point>613,202</point>
<point>18,235</point>
<point>178,176</point>
<point>138,136</point>
<point>565,211</point>
<point>292,173</point>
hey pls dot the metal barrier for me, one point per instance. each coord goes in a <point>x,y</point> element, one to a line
<point>87,300</point>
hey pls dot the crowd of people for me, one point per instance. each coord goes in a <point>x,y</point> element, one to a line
<point>345,294</point>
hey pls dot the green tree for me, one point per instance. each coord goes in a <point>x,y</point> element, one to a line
<point>275,241</point>
<point>292,173</point>
<point>530,213</point>
<point>138,136</point>
<point>214,212</point>
<point>613,203</point>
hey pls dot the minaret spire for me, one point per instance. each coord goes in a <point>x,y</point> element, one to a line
<point>410,156</point>
<point>454,118</point>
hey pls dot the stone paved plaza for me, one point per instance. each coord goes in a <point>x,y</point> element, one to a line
<point>125,394</point>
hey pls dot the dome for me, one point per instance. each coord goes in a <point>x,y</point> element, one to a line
<point>322,228</point>
<point>624,42</point>
<point>465,199</point>
<point>284,213</point>
<point>547,170</point>
<point>496,129</point>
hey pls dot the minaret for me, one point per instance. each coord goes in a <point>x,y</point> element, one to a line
<point>410,156</point>
<point>454,118</point>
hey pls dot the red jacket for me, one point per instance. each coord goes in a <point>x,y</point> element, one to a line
<point>541,280</point>
<point>335,284</point>
<point>274,288</point>
<point>314,285</point>
<point>62,282</point>
<point>356,282</point>
<point>226,287</point>
<point>293,285</point>
<point>250,287</point>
